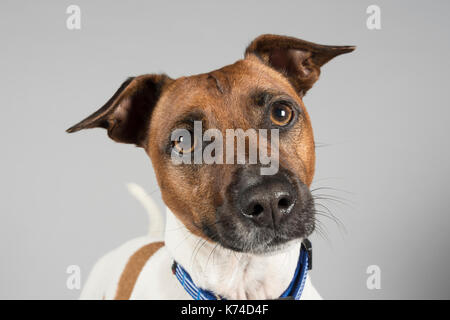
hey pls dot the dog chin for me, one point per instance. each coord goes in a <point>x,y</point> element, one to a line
<point>273,245</point>
<point>261,249</point>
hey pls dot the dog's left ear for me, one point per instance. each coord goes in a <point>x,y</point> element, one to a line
<point>127,113</point>
<point>298,60</point>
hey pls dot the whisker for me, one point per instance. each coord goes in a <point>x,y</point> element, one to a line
<point>336,199</point>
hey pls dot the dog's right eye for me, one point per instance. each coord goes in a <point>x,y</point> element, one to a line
<point>184,145</point>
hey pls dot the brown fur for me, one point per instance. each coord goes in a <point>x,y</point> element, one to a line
<point>193,195</point>
<point>133,269</point>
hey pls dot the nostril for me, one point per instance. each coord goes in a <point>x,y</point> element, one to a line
<point>256,210</point>
<point>284,203</point>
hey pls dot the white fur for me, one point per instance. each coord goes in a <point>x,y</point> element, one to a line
<point>232,274</point>
<point>228,273</point>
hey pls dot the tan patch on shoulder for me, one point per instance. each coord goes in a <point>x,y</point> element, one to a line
<point>133,269</point>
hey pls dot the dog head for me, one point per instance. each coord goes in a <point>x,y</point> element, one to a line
<point>229,202</point>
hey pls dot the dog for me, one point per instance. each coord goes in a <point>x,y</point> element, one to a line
<point>231,232</point>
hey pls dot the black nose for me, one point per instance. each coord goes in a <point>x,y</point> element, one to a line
<point>268,201</point>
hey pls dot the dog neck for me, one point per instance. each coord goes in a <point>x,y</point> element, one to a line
<point>230,274</point>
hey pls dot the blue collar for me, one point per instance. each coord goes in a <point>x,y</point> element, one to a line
<point>293,291</point>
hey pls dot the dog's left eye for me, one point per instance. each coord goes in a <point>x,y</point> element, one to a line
<point>281,114</point>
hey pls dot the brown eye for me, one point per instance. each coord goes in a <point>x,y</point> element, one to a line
<point>281,114</point>
<point>184,145</point>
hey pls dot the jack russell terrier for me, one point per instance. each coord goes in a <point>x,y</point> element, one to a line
<point>231,232</point>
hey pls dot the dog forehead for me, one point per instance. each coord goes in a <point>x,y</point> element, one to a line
<point>223,87</point>
<point>221,95</point>
<point>251,74</point>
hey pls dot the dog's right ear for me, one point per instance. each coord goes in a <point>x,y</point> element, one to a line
<point>127,113</point>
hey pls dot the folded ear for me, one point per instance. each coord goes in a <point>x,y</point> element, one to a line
<point>298,60</point>
<point>127,113</point>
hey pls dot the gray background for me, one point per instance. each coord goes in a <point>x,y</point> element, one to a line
<point>380,117</point>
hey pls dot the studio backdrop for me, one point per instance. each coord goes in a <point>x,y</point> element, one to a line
<point>380,118</point>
